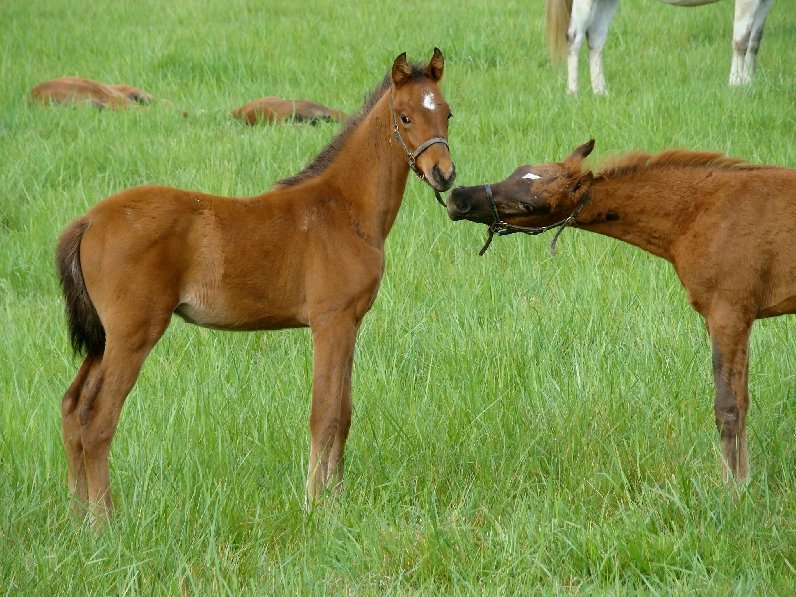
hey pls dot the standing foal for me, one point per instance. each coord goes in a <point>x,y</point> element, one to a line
<point>309,253</point>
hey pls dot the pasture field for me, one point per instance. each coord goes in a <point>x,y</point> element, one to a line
<point>523,424</point>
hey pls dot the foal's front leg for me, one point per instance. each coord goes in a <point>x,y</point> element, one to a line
<point>333,338</point>
<point>729,334</point>
<point>336,463</point>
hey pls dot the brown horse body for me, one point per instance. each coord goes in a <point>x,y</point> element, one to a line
<point>68,90</point>
<point>276,109</point>
<point>727,227</point>
<point>308,253</point>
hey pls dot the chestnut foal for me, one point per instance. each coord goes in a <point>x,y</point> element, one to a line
<point>277,109</point>
<point>725,225</point>
<point>309,252</point>
<point>72,90</point>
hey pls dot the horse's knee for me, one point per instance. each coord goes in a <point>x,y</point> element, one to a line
<point>727,420</point>
<point>741,44</point>
<point>324,424</point>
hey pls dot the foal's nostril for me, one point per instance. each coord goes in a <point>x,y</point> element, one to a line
<point>452,175</point>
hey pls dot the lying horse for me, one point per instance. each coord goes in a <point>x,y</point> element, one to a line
<point>70,90</point>
<point>309,253</point>
<point>276,109</point>
<point>570,22</point>
<point>725,225</point>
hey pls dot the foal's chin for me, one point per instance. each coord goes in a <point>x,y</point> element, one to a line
<point>455,215</point>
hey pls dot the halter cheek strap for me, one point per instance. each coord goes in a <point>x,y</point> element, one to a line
<point>413,155</point>
<point>502,228</point>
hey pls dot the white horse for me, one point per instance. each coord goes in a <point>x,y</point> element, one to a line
<point>571,21</point>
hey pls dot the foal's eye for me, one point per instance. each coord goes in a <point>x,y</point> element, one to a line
<point>450,115</point>
<point>405,119</point>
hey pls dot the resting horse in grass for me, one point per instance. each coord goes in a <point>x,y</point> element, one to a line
<point>276,109</point>
<point>570,22</point>
<point>308,253</point>
<point>726,226</point>
<point>73,90</point>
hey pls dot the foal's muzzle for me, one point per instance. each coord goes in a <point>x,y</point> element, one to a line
<point>464,205</point>
<point>443,179</point>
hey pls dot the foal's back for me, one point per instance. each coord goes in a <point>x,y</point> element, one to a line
<point>238,264</point>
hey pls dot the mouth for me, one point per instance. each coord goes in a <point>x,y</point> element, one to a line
<point>438,186</point>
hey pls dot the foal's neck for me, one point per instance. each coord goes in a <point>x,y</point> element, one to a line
<point>370,175</point>
<point>650,213</point>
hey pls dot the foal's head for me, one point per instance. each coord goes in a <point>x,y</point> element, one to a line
<point>532,196</point>
<point>420,116</point>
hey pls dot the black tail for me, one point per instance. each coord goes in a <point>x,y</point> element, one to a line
<point>85,328</point>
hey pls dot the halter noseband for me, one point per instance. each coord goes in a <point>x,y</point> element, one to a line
<point>413,155</point>
<point>502,228</point>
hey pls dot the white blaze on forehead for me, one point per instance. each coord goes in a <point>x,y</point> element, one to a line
<point>428,100</point>
<point>532,176</point>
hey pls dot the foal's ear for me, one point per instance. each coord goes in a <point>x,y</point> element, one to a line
<point>401,70</point>
<point>436,65</point>
<point>581,152</point>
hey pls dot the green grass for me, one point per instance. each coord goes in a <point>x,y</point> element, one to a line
<point>523,424</point>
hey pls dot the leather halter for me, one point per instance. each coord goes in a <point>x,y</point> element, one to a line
<point>413,155</point>
<point>502,228</point>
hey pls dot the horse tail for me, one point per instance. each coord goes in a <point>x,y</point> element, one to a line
<point>556,25</point>
<point>85,328</point>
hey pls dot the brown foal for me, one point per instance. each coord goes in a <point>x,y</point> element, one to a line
<point>276,109</point>
<point>310,252</point>
<point>726,226</point>
<point>69,90</point>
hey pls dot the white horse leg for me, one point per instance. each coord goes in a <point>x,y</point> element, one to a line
<point>580,20</point>
<point>750,18</point>
<point>597,34</point>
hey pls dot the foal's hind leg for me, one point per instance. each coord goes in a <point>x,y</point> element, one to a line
<point>729,333</point>
<point>126,347</point>
<point>70,422</point>
<point>333,340</point>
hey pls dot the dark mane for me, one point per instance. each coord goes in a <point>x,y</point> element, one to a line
<point>328,153</point>
<point>638,161</point>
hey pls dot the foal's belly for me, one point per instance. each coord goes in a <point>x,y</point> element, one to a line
<point>246,313</point>
<point>783,307</point>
